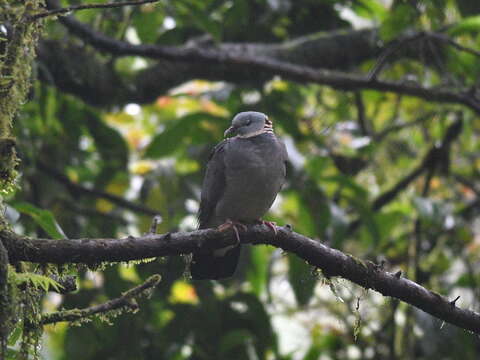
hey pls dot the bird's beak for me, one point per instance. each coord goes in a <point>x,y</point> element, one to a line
<point>229,131</point>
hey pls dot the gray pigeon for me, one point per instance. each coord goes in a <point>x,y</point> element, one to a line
<point>244,175</point>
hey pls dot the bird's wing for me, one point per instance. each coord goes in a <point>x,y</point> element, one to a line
<point>213,185</point>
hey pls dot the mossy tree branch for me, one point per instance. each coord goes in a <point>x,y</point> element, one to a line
<point>331,261</point>
<point>126,300</point>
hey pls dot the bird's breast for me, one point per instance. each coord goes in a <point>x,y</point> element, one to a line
<point>254,176</point>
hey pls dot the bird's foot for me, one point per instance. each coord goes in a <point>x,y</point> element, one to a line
<point>271,224</point>
<point>229,224</point>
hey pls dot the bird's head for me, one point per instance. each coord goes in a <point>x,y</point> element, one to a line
<point>248,124</point>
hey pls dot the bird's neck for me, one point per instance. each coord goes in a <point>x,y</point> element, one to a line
<point>267,128</point>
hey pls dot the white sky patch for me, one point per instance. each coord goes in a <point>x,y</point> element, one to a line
<point>251,97</point>
<point>85,143</point>
<point>139,64</point>
<point>400,318</point>
<point>353,352</point>
<point>293,336</point>
<point>239,306</point>
<point>132,36</point>
<point>11,214</point>
<point>133,109</point>
<point>188,223</point>
<point>191,205</point>
<point>449,222</point>
<point>136,183</point>
<point>276,206</point>
<point>360,142</point>
<point>349,15</point>
<point>55,299</point>
<point>95,277</point>
<point>3,29</point>
<point>169,23</point>
<point>295,157</point>
<point>186,351</point>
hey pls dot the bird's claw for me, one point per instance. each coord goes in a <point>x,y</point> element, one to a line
<point>233,225</point>
<point>271,224</point>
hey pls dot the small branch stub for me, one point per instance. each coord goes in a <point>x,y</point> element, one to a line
<point>453,302</point>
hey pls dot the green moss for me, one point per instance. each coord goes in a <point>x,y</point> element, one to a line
<point>17,51</point>
<point>18,40</point>
<point>358,261</point>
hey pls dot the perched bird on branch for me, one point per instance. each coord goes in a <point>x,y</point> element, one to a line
<point>244,175</point>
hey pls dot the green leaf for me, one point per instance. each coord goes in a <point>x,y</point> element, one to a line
<point>12,354</point>
<point>467,25</point>
<point>37,280</point>
<point>199,17</point>
<point>233,339</point>
<point>402,17</point>
<point>148,24</point>
<point>187,130</point>
<point>110,145</point>
<point>347,183</point>
<point>15,335</point>
<point>42,218</point>
<point>257,272</point>
<point>301,279</point>
<point>338,224</point>
<point>370,9</point>
<point>256,320</point>
<point>468,7</point>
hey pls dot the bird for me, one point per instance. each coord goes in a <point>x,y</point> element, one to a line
<point>243,176</point>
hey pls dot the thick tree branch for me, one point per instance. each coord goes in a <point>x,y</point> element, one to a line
<point>268,62</point>
<point>76,70</point>
<point>332,262</point>
<point>127,300</point>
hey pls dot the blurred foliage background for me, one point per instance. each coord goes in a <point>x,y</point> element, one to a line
<point>107,141</point>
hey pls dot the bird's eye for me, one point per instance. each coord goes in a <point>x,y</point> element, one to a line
<point>249,121</point>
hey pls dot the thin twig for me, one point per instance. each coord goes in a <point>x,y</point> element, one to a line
<point>362,121</point>
<point>448,40</point>
<point>126,300</point>
<point>401,126</point>
<point>389,51</point>
<point>78,188</point>
<point>433,155</point>
<point>157,219</point>
<point>67,10</point>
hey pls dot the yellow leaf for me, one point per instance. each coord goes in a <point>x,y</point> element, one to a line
<point>183,292</point>
<point>142,167</point>
<point>129,273</point>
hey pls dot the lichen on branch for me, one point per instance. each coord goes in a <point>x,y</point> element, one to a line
<point>125,302</point>
<point>18,40</point>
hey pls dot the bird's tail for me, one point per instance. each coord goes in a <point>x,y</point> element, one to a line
<point>216,265</point>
